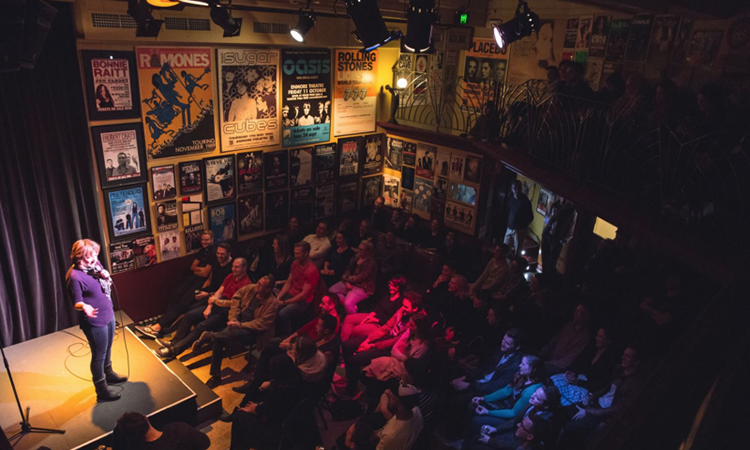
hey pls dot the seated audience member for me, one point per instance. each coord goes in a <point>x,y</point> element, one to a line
<point>569,342</point>
<point>540,315</point>
<point>416,377</point>
<point>450,251</point>
<point>590,371</point>
<point>251,320</point>
<point>515,287</point>
<point>402,430</point>
<point>359,351</point>
<point>330,304</point>
<point>415,343</point>
<point>388,253</point>
<point>297,294</point>
<point>380,217</point>
<point>471,316</point>
<point>364,233</point>
<point>495,272</point>
<point>409,231</point>
<point>259,425</point>
<point>358,281</point>
<point>320,244</point>
<point>605,403</point>
<point>397,218</point>
<point>437,296</point>
<point>337,260</point>
<point>614,87</point>
<point>480,341</point>
<point>362,324</point>
<point>575,85</point>
<point>359,436</point>
<point>137,432</point>
<point>436,237</point>
<point>219,273</point>
<point>310,361</point>
<point>213,318</point>
<point>293,232</point>
<point>528,434</point>
<point>277,261</point>
<point>184,295</point>
<point>456,304</point>
<point>508,402</point>
<point>666,102</point>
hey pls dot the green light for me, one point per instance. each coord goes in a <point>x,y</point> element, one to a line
<point>464,18</point>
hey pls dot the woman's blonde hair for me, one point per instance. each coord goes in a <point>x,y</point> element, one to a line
<point>83,248</point>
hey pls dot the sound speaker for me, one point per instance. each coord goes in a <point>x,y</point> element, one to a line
<point>24,26</point>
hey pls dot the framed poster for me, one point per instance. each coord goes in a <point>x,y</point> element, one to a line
<point>457,167</point>
<point>371,187</point>
<point>617,40</point>
<point>166,215</point>
<point>121,256</point>
<point>249,172</point>
<point>127,211</point>
<point>193,238</point>
<point>426,161</point>
<point>276,169</point>
<point>407,198</point>
<point>682,41</point>
<point>473,171</point>
<point>191,177</point>
<point>349,151</point>
<point>347,196</point>
<point>300,166</point>
<point>439,194</point>
<point>391,191</point>
<point>250,213</point>
<point>249,98</point>
<point>306,110</point>
<point>373,155</point>
<point>144,251</point>
<point>393,156</point>
<point>277,209</point>
<point>703,47</point>
<point>169,242</point>
<point>323,204</point>
<point>662,39</point>
<point>355,92</point>
<point>301,203</point>
<point>462,193</point>
<point>422,195</point>
<point>163,182</point>
<point>407,177</point>
<point>636,48</point>
<point>460,217</point>
<point>111,89</point>
<point>410,154</point>
<point>222,221</point>
<point>120,154</point>
<point>545,200</point>
<point>219,178</point>
<point>442,163</point>
<point>325,162</point>
<point>192,210</point>
<point>583,35</point>
<point>599,37</point>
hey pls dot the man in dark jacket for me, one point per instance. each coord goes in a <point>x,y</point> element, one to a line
<point>520,216</point>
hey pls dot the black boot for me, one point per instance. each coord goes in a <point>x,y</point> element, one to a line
<point>104,393</point>
<point>113,377</point>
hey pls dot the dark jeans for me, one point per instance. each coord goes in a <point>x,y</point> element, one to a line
<point>262,370</point>
<point>100,341</point>
<point>551,249</point>
<point>287,313</point>
<point>251,431</point>
<point>354,361</point>
<point>181,301</point>
<point>223,339</point>
<point>194,319</point>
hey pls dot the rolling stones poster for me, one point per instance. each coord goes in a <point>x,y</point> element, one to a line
<point>306,110</point>
<point>249,98</point>
<point>355,92</point>
<point>177,100</point>
<point>484,66</point>
<point>373,157</point>
<point>249,172</point>
<point>325,162</point>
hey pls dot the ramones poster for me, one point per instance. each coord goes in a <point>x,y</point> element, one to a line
<point>177,97</point>
<point>306,110</point>
<point>249,98</point>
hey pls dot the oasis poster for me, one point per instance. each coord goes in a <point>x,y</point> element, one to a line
<point>306,110</point>
<point>249,98</point>
<point>355,92</point>
<point>177,98</point>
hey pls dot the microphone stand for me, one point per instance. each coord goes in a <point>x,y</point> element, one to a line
<point>26,427</point>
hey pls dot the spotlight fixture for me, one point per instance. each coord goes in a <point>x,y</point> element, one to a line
<point>371,29</point>
<point>163,3</point>
<point>419,19</point>
<point>221,15</point>
<point>523,24</point>
<point>147,26</point>
<point>304,25</point>
<point>196,2</point>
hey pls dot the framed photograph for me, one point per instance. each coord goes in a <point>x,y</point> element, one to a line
<point>407,177</point>
<point>410,154</point>
<point>111,85</point>
<point>127,212</point>
<point>391,191</point>
<point>163,182</point>
<point>347,196</point>
<point>371,188</point>
<point>324,202</point>
<point>422,195</point>
<point>276,170</point>
<point>250,213</point>
<point>219,178</point>
<point>393,156</point>
<point>349,151</point>
<point>300,166</point>
<point>442,162</point>
<point>191,177</point>
<point>426,161</point>
<point>460,217</point>
<point>249,172</point>
<point>545,200</point>
<point>121,256</point>
<point>325,162</point>
<point>120,154</point>
<point>457,168</point>
<point>193,238</point>
<point>277,210</point>
<point>192,210</point>
<point>407,198</point>
<point>373,154</point>
<point>169,243</point>
<point>473,171</point>
<point>462,193</point>
<point>166,215</point>
<point>300,205</point>
<point>222,221</point>
<point>144,251</point>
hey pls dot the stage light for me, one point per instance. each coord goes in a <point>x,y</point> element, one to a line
<point>163,3</point>
<point>195,2</point>
<point>523,24</point>
<point>221,15</point>
<point>147,26</point>
<point>419,19</point>
<point>401,83</point>
<point>305,23</point>
<point>371,29</point>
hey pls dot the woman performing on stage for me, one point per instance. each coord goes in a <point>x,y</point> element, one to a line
<point>90,287</point>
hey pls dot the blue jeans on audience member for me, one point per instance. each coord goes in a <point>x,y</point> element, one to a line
<point>286,312</point>
<point>100,341</point>
<point>223,339</point>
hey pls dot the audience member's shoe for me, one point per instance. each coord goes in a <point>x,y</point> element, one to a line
<point>146,330</point>
<point>241,389</point>
<point>166,352</point>
<point>227,417</point>
<point>213,382</point>
<point>206,338</point>
<point>164,342</point>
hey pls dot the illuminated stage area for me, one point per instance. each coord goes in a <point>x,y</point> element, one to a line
<point>57,387</point>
